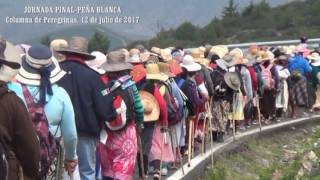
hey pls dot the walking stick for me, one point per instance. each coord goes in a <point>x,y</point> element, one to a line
<point>233,120</point>
<point>211,137</point>
<point>141,155</point>
<point>208,115</point>
<point>161,154</point>
<point>179,153</point>
<point>190,140</point>
<point>173,149</point>
<point>259,115</point>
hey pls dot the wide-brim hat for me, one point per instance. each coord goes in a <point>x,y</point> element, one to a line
<point>219,50</point>
<point>9,55</point>
<point>10,60</point>
<point>138,73</point>
<point>78,46</point>
<point>150,105</point>
<point>315,57</point>
<point>237,52</point>
<point>189,64</point>
<point>232,80</point>
<point>30,75</point>
<point>222,64</point>
<point>116,61</point>
<point>164,68</point>
<point>97,62</point>
<point>153,73</point>
<point>265,56</point>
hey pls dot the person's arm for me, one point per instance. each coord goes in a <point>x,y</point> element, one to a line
<point>25,142</point>
<point>68,127</point>
<point>163,106</point>
<point>275,76</point>
<point>103,104</point>
<point>138,106</point>
<point>307,67</point>
<point>248,83</point>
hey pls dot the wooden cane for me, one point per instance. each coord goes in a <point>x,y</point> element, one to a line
<point>190,141</point>
<point>161,154</point>
<point>233,121</point>
<point>259,113</point>
<point>172,148</point>
<point>179,153</point>
<point>204,126</point>
<point>141,155</point>
<point>211,139</point>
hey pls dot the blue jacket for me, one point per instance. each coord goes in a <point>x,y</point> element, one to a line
<point>60,115</point>
<point>299,63</point>
<point>84,87</point>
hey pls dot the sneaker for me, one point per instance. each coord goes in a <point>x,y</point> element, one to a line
<point>242,128</point>
<point>254,122</point>
<point>164,172</point>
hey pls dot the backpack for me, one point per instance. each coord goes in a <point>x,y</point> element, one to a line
<point>123,101</point>
<point>49,145</point>
<point>220,87</point>
<point>172,108</point>
<point>269,82</point>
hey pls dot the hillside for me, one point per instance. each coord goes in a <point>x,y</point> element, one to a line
<point>87,31</point>
<point>257,22</point>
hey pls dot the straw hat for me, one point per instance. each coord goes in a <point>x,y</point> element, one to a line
<point>134,51</point>
<point>78,46</point>
<point>233,80</point>
<point>9,61</point>
<point>138,73</point>
<point>125,52</point>
<point>190,65</point>
<point>219,50</point>
<point>156,50</point>
<point>315,57</point>
<point>37,57</point>
<point>58,44</point>
<point>303,50</point>
<point>237,52</point>
<point>164,68</point>
<point>153,73</point>
<point>198,56</point>
<point>151,106</point>
<point>116,62</point>
<point>166,54</point>
<point>265,56</point>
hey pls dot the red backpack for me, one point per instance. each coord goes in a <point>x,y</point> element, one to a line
<point>269,82</point>
<point>49,145</point>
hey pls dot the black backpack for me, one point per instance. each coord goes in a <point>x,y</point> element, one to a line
<point>220,87</point>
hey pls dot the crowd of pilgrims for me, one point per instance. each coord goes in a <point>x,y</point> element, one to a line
<point>101,116</point>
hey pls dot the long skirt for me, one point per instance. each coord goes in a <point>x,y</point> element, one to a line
<point>220,114</point>
<point>161,146</point>
<point>118,156</point>
<point>299,92</point>
<point>282,98</point>
<point>268,103</point>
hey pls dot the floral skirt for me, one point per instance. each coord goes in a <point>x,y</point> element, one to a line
<point>118,155</point>
<point>220,114</point>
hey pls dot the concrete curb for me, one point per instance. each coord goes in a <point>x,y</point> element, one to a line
<point>201,158</point>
